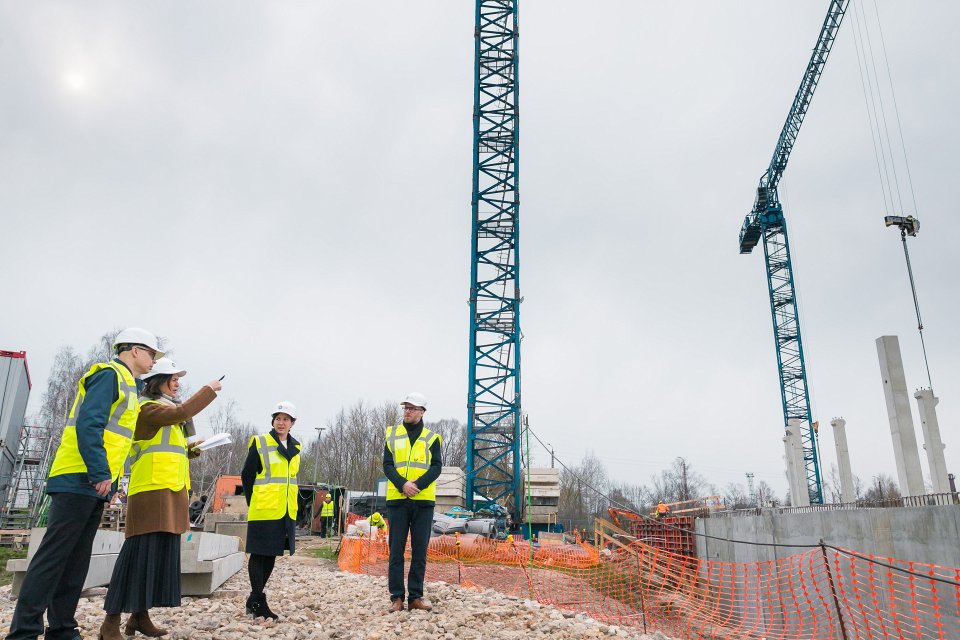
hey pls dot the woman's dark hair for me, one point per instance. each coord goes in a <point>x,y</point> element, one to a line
<point>152,390</point>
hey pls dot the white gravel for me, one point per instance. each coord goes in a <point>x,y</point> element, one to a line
<point>315,600</point>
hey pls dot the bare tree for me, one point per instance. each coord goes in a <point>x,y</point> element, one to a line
<point>68,368</point>
<point>582,490</point>
<point>884,487</point>
<point>765,495</point>
<point>680,482</point>
<point>736,497</point>
<point>225,460</point>
<point>453,434</point>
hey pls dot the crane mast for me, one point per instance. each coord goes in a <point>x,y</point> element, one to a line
<point>766,221</point>
<point>493,394</point>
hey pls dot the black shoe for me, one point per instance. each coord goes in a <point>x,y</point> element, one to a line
<point>250,609</point>
<point>261,609</point>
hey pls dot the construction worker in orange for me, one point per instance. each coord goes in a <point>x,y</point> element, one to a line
<point>412,464</point>
<point>662,511</point>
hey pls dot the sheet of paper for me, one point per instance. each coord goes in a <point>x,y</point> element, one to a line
<point>216,440</point>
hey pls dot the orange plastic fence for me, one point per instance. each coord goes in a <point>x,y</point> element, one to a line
<point>822,593</point>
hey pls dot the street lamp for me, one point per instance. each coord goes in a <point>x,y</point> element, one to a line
<point>316,466</point>
<point>316,462</point>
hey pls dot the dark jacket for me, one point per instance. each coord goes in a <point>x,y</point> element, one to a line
<point>268,537</point>
<point>431,474</point>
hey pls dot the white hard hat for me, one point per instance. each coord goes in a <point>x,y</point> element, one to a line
<point>134,335</point>
<point>164,366</point>
<point>285,407</point>
<point>416,399</point>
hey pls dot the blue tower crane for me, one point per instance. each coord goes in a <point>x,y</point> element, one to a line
<point>493,394</point>
<point>766,220</point>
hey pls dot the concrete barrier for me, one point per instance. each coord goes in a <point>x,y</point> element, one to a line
<point>106,547</point>
<point>207,560</point>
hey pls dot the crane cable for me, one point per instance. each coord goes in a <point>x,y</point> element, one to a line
<point>873,92</point>
<point>880,131</point>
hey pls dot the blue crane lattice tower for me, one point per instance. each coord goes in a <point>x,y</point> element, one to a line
<point>493,402</point>
<point>767,221</point>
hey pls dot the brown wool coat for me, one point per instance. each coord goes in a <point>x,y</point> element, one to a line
<point>163,510</point>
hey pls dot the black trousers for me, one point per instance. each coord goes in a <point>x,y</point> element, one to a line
<point>417,520</point>
<point>58,569</point>
<point>326,526</point>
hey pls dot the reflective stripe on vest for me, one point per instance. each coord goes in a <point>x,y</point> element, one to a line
<point>275,487</point>
<point>161,462</point>
<point>398,442</point>
<point>117,433</point>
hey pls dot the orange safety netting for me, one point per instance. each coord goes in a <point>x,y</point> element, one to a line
<point>822,593</point>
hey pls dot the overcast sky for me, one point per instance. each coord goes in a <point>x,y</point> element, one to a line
<point>283,191</point>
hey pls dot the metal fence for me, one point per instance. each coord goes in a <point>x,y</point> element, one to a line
<point>932,499</point>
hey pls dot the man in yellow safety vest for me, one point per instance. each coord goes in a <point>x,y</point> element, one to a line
<point>326,516</point>
<point>412,464</point>
<point>85,471</point>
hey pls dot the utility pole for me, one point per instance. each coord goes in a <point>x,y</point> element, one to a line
<point>753,495</point>
<point>316,462</point>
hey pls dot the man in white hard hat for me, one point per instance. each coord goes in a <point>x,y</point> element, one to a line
<point>412,464</point>
<point>85,471</point>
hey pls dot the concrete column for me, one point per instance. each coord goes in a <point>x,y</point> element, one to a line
<point>848,492</point>
<point>798,492</point>
<point>904,436</point>
<point>791,472</point>
<point>931,440</point>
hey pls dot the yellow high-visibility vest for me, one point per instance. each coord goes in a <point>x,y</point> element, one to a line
<point>117,433</point>
<point>326,509</point>
<point>275,487</point>
<point>160,462</point>
<point>411,461</point>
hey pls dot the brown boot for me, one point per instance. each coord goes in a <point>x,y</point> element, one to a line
<point>419,604</point>
<point>110,628</point>
<point>140,621</point>
<point>396,605</point>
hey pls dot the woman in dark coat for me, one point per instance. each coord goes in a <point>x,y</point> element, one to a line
<point>147,571</point>
<point>269,478</point>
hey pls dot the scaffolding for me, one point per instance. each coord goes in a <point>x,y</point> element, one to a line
<point>21,504</point>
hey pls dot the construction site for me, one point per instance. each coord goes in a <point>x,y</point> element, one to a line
<point>648,337</point>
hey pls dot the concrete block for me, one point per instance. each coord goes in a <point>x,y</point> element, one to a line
<point>236,530</point>
<point>104,542</point>
<point>208,575</point>
<point>98,575</point>
<point>198,545</point>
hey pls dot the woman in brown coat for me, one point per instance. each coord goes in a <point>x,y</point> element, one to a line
<point>147,571</point>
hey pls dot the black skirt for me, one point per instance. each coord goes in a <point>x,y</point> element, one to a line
<point>272,537</point>
<point>146,575</point>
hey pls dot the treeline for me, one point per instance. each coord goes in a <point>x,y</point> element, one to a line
<point>348,452</point>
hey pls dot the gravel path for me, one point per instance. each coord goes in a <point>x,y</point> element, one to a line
<point>315,600</point>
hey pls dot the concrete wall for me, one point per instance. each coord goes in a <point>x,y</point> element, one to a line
<point>928,534</point>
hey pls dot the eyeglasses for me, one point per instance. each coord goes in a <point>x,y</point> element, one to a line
<point>153,354</point>
<point>412,409</point>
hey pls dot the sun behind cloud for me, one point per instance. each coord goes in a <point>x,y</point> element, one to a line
<point>75,81</point>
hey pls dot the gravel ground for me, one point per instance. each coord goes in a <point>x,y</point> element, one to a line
<point>315,600</point>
